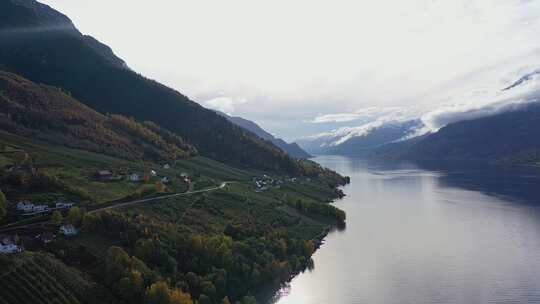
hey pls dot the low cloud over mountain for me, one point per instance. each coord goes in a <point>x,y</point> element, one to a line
<point>523,91</point>
<point>510,93</point>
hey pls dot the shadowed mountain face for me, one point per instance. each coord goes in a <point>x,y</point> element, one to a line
<point>42,45</point>
<point>511,136</point>
<point>291,148</point>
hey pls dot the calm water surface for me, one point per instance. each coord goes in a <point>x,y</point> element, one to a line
<point>424,234</point>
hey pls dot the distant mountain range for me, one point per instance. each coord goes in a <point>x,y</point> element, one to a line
<point>43,46</point>
<point>359,140</point>
<point>293,149</point>
<point>505,129</point>
<point>512,137</point>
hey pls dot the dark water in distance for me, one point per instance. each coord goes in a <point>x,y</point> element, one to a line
<point>428,234</point>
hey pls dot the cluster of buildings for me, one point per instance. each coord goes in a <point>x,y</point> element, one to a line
<point>9,244</point>
<point>67,230</point>
<point>27,207</point>
<point>266,182</point>
<point>107,175</point>
<point>135,177</point>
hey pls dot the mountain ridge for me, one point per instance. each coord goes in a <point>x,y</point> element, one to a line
<point>509,137</point>
<point>50,50</point>
<point>293,149</point>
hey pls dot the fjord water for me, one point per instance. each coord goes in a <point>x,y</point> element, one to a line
<point>428,234</point>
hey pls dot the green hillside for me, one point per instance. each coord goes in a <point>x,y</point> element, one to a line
<point>205,245</point>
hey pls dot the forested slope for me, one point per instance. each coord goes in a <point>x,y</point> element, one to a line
<point>46,113</point>
<point>43,45</point>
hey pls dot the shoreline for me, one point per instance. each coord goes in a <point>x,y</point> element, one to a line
<point>272,294</point>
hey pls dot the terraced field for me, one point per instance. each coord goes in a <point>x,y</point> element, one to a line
<point>39,278</point>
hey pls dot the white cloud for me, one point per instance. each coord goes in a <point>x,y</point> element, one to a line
<point>364,113</point>
<point>224,104</point>
<point>507,92</point>
<point>299,58</point>
<point>340,117</point>
<point>487,101</point>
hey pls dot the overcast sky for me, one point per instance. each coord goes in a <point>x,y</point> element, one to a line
<point>302,67</point>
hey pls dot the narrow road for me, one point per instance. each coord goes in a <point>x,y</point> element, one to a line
<point>15,225</point>
<point>146,200</point>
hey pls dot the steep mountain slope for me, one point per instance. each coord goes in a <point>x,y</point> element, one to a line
<point>359,140</point>
<point>510,136</point>
<point>43,45</point>
<point>47,113</point>
<point>291,148</point>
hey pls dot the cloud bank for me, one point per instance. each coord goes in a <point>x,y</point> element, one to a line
<point>302,65</point>
<point>487,103</point>
<point>480,102</point>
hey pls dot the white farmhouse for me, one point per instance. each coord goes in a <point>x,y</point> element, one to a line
<point>40,208</point>
<point>68,230</point>
<point>9,249</point>
<point>134,177</point>
<point>62,205</point>
<point>25,206</point>
<point>8,245</point>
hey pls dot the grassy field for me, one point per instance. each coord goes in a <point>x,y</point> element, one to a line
<point>210,168</point>
<point>76,168</point>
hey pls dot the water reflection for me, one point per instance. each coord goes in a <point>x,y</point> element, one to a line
<point>420,233</point>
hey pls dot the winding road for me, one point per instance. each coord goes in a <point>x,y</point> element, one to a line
<point>146,200</point>
<point>20,225</point>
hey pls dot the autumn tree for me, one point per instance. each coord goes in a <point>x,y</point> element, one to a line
<point>225,301</point>
<point>160,187</point>
<point>177,296</point>
<point>309,248</point>
<point>160,293</point>
<point>147,173</point>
